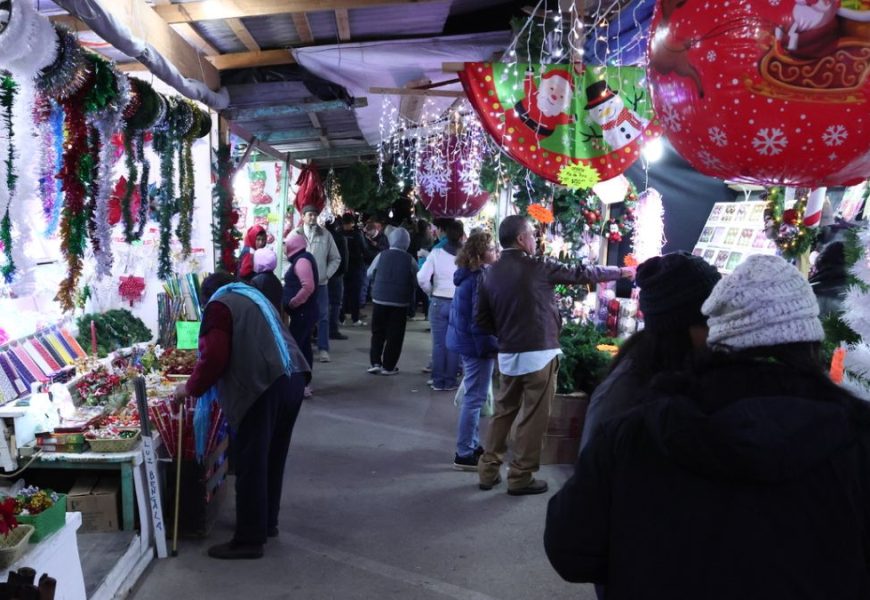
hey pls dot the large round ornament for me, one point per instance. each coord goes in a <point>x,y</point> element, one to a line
<point>449,179</point>
<point>764,91</point>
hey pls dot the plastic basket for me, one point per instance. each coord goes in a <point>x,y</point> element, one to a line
<point>115,444</point>
<point>12,546</point>
<point>46,522</point>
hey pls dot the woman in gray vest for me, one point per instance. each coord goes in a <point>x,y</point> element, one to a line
<point>251,366</point>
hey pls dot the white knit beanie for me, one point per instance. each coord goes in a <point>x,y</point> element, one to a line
<point>764,302</point>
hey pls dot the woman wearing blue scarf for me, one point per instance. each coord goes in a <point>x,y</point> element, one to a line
<point>259,386</point>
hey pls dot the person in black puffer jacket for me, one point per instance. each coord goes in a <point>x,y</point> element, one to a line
<point>747,476</point>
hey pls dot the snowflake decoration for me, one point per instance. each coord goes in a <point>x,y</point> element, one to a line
<point>774,2</point>
<point>578,176</point>
<point>770,141</point>
<point>718,137</point>
<point>435,176</point>
<point>711,56</point>
<point>835,135</point>
<point>672,120</point>
<point>714,163</point>
<point>469,179</point>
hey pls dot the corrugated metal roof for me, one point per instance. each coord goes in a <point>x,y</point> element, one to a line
<point>323,26</point>
<point>275,31</point>
<point>398,20</point>
<point>218,34</point>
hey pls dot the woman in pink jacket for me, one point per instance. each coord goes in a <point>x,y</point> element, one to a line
<point>300,294</point>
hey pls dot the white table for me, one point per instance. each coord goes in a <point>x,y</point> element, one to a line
<point>58,556</point>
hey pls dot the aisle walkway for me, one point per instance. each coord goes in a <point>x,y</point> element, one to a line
<point>372,508</point>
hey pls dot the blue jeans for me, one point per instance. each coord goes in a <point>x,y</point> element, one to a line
<point>323,317</point>
<point>445,364</point>
<point>478,377</point>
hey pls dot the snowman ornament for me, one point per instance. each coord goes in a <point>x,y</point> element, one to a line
<point>619,125</point>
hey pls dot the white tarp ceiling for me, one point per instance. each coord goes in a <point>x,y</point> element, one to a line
<point>359,67</point>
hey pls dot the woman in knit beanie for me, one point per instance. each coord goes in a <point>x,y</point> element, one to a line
<point>747,475</point>
<point>672,289</point>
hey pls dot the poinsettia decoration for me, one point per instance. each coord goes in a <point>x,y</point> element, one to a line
<point>8,522</point>
<point>115,202</point>
<point>131,288</point>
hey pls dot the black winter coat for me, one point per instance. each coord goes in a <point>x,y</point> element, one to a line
<point>743,480</point>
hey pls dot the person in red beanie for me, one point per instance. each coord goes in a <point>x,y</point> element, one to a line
<point>255,239</point>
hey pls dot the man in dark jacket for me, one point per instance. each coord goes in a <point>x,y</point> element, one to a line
<point>517,304</point>
<point>746,477</point>
<point>393,275</point>
<point>336,282</point>
<point>260,394</point>
<point>356,268</point>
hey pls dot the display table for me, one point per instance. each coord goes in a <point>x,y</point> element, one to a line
<point>58,556</point>
<point>123,462</point>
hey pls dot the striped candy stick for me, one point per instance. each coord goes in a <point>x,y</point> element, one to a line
<point>813,211</point>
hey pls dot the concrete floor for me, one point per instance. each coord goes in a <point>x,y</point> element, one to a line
<point>372,507</point>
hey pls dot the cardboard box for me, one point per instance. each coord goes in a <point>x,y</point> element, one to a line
<point>560,450</point>
<point>97,500</point>
<point>568,415</point>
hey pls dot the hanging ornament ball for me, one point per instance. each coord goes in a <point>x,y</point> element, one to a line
<point>145,107</point>
<point>764,92</point>
<point>203,124</point>
<point>449,179</point>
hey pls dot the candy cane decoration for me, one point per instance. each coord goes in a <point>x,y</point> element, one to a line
<point>813,211</point>
<point>649,230</point>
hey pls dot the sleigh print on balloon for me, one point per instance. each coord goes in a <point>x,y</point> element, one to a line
<point>823,56</point>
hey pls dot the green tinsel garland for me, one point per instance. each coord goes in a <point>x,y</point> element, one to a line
<point>186,180</point>
<point>132,174</point>
<point>164,145</point>
<point>8,89</point>
<point>88,174</point>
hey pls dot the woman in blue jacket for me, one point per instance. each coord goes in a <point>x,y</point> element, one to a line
<point>477,349</point>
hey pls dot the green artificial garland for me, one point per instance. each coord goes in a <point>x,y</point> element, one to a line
<point>132,173</point>
<point>164,144</point>
<point>186,179</point>
<point>785,226</point>
<point>362,192</point>
<point>115,329</point>
<point>8,88</point>
<point>225,234</point>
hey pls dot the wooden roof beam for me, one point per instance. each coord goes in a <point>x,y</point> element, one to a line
<point>244,60</point>
<point>206,10</point>
<point>243,34</point>
<point>303,28</point>
<point>342,22</point>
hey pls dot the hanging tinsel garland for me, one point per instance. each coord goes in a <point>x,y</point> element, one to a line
<point>224,232</point>
<point>186,131</point>
<point>49,117</point>
<point>7,99</point>
<point>165,140</point>
<point>145,110</point>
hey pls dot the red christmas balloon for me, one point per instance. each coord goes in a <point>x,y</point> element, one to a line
<point>449,180</point>
<point>765,91</point>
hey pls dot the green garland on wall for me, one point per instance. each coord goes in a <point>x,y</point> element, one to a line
<point>8,89</point>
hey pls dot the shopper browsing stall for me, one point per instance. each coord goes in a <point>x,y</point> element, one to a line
<point>516,303</point>
<point>753,460</point>
<point>393,280</point>
<point>477,348</point>
<point>260,394</point>
<point>321,245</point>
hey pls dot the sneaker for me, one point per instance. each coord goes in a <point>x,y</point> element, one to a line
<point>324,356</point>
<point>337,336</point>
<point>390,371</point>
<point>308,392</point>
<point>535,486</point>
<point>465,463</point>
<point>429,382</point>
<point>479,451</point>
<point>449,388</point>
<point>375,369</point>
<point>359,323</point>
<point>426,369</point>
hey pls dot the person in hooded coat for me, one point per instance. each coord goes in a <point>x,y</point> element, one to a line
<point>299,298</point>
<point>255,238</point>
<point>393,276</point>
<point>747,476</point>
<point>477,348</point>
<point>265,280</point>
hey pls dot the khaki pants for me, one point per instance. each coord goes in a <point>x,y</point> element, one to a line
<point>527,397</point>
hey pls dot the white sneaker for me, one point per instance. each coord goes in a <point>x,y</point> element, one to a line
<point>324,356</point>
<point>359,323</point>
<point>309,391</point>
<point>388,372</point>
<point>375,369</point>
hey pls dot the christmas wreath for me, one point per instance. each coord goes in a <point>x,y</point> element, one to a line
<point>785,226</point>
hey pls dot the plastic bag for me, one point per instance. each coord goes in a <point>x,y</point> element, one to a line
<point>488,408</point>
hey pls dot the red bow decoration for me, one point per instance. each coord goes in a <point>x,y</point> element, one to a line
<point>115,202</point>
<point>131,288</point>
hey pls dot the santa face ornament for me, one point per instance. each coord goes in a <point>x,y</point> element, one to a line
<point>550,116</point>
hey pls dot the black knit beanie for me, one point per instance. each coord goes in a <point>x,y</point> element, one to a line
<point>672,289</point>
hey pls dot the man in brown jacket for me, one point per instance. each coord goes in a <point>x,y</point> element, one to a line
<point>516,303</point>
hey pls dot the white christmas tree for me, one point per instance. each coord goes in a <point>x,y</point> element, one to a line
<point>856,314</point>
